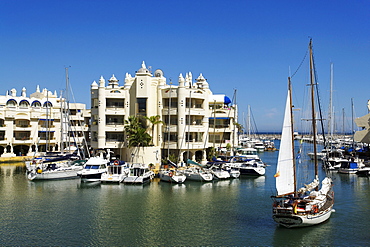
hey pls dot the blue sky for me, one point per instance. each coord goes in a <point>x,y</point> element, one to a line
<point>247,46</point>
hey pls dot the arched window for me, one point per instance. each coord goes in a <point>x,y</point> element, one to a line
<point>11,102</point>
<point>48,104</point>
<point>24,103</point>
<point>36,104</point>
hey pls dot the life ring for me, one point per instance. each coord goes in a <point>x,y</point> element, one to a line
<point>170,174</point>
<point>315,209</point>
<point>116,162</point>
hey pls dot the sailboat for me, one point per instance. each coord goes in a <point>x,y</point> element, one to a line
<point>57,165</point>
<point>293,207</point>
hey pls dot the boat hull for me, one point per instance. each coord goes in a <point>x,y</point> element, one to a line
<point>50,175</point>
<point>137,179</point>
<point>294,220</point>
<point>207,177</point>
<point>172,179</point>
<point>112,178</point>
<point>90,177</point>
<point>255,171</point>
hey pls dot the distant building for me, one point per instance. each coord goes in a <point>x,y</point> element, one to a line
<point>38,123</point>
<point>364,123</point>
<point>194,117</point>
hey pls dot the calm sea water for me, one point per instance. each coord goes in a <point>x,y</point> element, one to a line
<point>233,212</point>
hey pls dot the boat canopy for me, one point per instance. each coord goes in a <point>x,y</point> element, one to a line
<point>220,98</point>
<point>189,161</point>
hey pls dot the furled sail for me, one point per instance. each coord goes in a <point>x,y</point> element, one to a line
<point>285,167</point>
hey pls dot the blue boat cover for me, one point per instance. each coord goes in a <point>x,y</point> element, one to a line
<point>227,100</point>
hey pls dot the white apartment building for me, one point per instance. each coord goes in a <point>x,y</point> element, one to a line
<point>364,123</point>
<point>32,125</point>
<point>194,118</point>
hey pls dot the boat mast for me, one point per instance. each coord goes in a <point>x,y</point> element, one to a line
<point>68,138</point>
<point>249,122</point>
<point>314,131</point>
<point>292,130</point>
<point>331,118</point>
<point>237,134</point>
<point>169,123</point>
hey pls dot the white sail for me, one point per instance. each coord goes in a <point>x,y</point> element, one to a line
<point>285,166</point>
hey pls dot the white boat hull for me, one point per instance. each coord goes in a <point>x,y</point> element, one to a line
<point>221,175</point>
<point>176,178</point>
<point>234,173</point>
<point>137,179</point>
<point>203,177</point>
<point>112,178</point>
<point>55,174</point>
<point>292,221</point>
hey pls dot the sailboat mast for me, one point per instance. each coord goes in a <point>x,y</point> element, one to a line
<point>68,139</point>
<point>314,131</point>
<point>292,134</point>
<point>169,123</point>
<point>331,118</point>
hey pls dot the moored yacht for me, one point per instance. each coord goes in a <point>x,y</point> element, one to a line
<point>172,176</point>
<point>248,166</point>
<point>116,172</point>
<point>198,174</point>
<point>219,173</point>
<point>139,174</point>
<point>93,169</point>
<point>351,166</point>
<point>56,170</point>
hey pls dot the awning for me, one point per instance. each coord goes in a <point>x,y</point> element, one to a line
<point>227,100</point>
<point>219,98</point>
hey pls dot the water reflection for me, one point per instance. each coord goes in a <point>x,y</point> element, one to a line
<point>319,235</point>
<point>226,212</point>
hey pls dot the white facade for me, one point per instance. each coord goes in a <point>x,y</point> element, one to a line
<point>194,117</point>
<point>30,125</point>
<point>363,122</point>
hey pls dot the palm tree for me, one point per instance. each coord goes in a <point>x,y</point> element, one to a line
<point>139,139</point>
<point>137,135</point>
<point>154,120</point>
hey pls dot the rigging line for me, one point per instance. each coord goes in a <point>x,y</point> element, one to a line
<point>304,58</point>
<point>225,127</point>
<point>84,143</point>
<point>320,115</point>
<point>254,122</point>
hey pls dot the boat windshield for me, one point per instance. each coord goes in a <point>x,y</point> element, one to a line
<point>92,167</point>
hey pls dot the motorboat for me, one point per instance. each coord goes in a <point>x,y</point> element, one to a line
<point>247,166</point>
<point>198,174</point>
<point>172,176</point>
<point>249,153</point>
<point>223,165</point>
<point>365,171</point>
<point>219,173</point>
<point>117,171</point>
<point>320,155</point>
<point>259,146</point>
<point>93,169</point>
<point>139,174</point>
<point>234,172</point>
<point>351,166</point>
